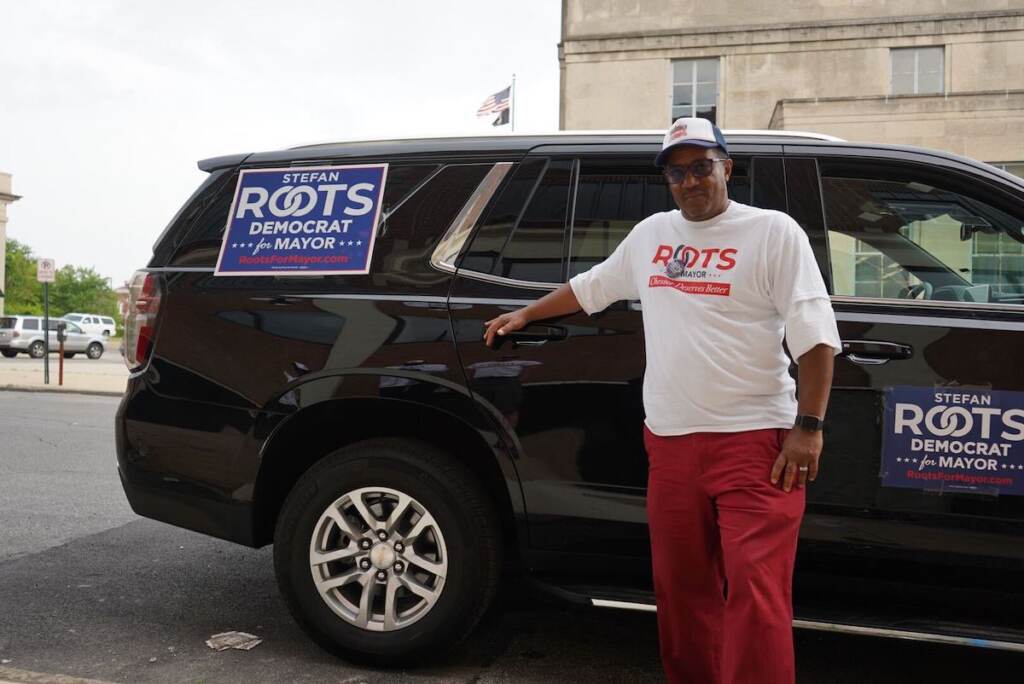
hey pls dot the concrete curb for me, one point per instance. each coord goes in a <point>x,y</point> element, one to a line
<point>58,390</point>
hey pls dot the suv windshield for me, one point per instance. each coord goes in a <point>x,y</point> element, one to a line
<point>74,317</point>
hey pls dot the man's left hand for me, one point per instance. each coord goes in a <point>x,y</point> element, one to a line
<point>801,448</point>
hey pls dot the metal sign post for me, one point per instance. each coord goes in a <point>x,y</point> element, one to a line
<point>46,273</point>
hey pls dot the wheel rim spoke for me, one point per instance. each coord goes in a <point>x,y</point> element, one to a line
<point>420,590</point>
<point>366,601</point>
<point>433,567</point>
<point>321,557</point>
<point>421,525</point>
<point>326,585</point>
<point>398,513</point>
<point>390,610</point>
<point>368,518</point>
<point>342,522</point>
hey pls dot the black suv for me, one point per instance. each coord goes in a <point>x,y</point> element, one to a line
<point>401,467</point>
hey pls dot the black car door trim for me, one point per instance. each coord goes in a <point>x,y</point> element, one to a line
<point>932,321</point>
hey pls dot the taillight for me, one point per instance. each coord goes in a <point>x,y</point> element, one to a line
<point>140,321</point>
<point>16,333</point>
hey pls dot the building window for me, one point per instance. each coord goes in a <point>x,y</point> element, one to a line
<point>1016,168</point>
<point>695,88</point>
<point>917,71</point>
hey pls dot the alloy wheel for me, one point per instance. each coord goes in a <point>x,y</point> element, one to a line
<point>378,559</point>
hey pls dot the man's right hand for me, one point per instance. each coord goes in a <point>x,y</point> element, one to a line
<point>504,324</point>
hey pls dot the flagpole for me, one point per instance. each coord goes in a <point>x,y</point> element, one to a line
<point>512,117</point>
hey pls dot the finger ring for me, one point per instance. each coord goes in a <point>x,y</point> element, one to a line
<point>803,469</point>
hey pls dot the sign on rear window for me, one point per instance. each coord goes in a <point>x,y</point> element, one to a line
<point>303,221</point>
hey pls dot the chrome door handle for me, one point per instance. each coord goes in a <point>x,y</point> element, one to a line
<point>867,360</point>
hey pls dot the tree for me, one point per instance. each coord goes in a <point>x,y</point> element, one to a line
<point>75,289</point>
<point>82,289</point>
<point>23,294</point>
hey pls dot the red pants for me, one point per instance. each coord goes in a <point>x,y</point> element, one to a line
<point>723,542</point>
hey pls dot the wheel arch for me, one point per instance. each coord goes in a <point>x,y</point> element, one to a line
<point>316,430</point>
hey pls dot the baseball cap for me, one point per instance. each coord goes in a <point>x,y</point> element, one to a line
<point>690,130</point>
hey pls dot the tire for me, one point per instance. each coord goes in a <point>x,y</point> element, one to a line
<point>9,353</point>
<point>69,355</point>
<point>36,350</point>
<point>459,537</point>
<point>94,350</point>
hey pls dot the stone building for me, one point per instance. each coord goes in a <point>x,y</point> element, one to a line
<point>5,198</point>
<point>929,72</point>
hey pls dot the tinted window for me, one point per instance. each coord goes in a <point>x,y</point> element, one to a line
<point>611,198</point>
<point>905,239</point>
<point>8,322</point>
<point>523,237</point>
<point>206,229</point>
<point>614,195</point>
<point>73,317</point>
<point>30,324</point>
<point>407,237</point>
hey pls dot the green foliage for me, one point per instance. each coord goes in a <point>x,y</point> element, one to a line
<point>23,294</point>
<point>76,288</point>
<point>84,290</point>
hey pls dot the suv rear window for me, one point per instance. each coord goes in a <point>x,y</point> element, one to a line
<point>8,322</point>
<point>201,244</point>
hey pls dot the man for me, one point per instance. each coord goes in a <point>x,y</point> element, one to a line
<point>721,284</point>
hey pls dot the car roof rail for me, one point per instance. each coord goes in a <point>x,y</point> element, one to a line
<point>558,134</point>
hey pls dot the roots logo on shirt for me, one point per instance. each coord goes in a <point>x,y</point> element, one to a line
<point>699,266</point>
<point>687,257</point>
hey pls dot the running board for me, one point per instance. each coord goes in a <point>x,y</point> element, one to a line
<point>851,629</point>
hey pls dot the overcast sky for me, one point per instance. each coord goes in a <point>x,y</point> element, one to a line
<point>105,106</point>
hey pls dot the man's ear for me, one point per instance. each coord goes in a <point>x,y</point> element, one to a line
<point>728,168</point>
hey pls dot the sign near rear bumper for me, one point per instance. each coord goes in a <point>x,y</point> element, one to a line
<point>954,439</point>
<point>318,220</point>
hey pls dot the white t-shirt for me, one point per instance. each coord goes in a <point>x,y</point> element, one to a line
<point>718,296</point>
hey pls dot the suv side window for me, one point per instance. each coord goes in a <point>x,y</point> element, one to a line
<point>30,324</point>
<point>614,195</point>
<point>611,198</point>
<point>523,236</point>
<point>896,238</point>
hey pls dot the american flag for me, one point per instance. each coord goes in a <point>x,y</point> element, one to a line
<point>498,102</point>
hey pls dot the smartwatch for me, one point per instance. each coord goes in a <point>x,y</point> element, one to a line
<point>809,422</point>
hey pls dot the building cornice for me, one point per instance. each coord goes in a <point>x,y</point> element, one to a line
<point>846,29</point>
<point>952,100</point>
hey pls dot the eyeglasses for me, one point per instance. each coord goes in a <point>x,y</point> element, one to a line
<point>701,168</point>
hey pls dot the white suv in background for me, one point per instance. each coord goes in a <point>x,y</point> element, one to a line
<point>93,323</point>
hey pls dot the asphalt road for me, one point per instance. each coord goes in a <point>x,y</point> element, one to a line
<point>90,590</point>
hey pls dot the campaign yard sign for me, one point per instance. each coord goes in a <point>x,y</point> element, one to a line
<point>313,220</point>
<point>954,439</point>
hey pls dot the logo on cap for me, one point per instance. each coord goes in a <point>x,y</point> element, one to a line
<point>678,131</point>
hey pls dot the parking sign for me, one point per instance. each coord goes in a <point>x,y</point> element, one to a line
<point>46,270</point>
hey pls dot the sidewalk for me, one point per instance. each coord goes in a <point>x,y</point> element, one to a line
<point>106,376</point>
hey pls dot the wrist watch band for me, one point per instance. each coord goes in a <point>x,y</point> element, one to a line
<point>809,422</point>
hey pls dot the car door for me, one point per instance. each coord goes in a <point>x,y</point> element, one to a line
<point>923,444</point>
<point>77,338</point>
<point>570,390</point>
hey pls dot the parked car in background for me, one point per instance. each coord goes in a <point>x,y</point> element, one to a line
<point>94,323</point>
<point>24,334</point>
